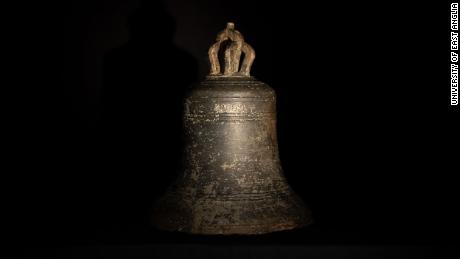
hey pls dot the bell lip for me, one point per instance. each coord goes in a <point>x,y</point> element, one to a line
<point>232,231</point>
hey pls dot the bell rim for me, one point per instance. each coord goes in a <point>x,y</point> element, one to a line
<point>239,230</point>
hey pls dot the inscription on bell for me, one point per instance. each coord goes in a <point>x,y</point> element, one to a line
<point>234,107</point>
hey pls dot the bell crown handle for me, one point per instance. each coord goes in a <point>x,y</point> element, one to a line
<point>232,56</point>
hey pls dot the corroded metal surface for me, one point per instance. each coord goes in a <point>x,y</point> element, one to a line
<point>233,181</point>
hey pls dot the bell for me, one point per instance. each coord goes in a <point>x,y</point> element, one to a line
<point>232,182</point>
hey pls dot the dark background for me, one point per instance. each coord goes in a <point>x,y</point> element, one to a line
<point>364,123</point>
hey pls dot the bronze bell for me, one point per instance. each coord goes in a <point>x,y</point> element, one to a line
<point>233,182</point>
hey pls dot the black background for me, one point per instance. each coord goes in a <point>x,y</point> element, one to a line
<point>364,123</point>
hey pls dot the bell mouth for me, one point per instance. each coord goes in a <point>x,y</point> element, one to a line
<point>221,216</point>
<point>240,231</point>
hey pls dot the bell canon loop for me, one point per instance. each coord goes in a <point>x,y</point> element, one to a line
<point>232,182</point>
